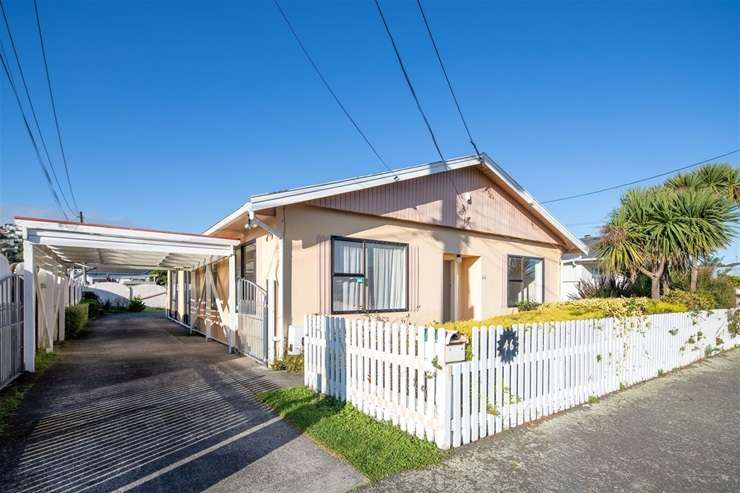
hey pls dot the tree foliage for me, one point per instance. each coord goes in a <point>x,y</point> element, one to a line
<point>668,227</point>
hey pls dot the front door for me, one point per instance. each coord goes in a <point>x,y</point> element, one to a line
<point>448,290</point>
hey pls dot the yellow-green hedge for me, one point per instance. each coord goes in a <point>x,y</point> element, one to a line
<point>572,310</point>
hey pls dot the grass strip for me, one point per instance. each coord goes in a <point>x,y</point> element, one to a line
<point>12,397</point>
<point>375,449</point>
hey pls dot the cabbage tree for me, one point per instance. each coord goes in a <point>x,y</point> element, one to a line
<point>654,228</point>
<point>722,180</point>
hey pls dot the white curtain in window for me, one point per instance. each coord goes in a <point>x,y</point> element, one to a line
<point>387,276</point>
<point>348,257</point>
<point>348,291</point>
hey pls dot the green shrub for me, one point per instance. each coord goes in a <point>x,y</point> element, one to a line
<point>89,295</point>
<point>291,363</point>
<point>136,305</point>
<point>75,319</point>
<point>527,305</point>
<point>721,288</point>
<point>735,280</point>
<point>723,291</point>
<point>698,300</point>
<point>94,308</point>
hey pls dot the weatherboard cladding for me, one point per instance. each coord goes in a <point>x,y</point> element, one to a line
<point>432,199</point>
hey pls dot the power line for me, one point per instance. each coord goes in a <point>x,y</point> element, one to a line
<point>30,133</point>
<point>418,106</point>
<point>30,103</point>
<point>327,85</point>
<point>634,182</point>
<point>444,71</point>
<point>53,105</point>
<point>408,80</point>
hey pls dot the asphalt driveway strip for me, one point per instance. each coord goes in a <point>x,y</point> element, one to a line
<point>138,404</point>
<point>677,433</point>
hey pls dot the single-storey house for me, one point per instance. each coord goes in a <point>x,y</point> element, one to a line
<point>440,241</point>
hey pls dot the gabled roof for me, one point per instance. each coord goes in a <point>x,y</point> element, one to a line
<point>265,201</point>
<point>584,257</point>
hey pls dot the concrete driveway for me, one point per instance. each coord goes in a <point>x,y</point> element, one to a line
<point>677,433</point>
<point>138,404</point>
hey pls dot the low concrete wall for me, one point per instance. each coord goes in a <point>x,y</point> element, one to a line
<point>116,293</point>
<point>153,295</point>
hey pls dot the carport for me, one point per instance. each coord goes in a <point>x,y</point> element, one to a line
<point>52,249</point>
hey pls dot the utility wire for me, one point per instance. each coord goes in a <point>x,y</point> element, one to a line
<point>327,85</point>
<point>54,106</point>
<point>419,107</point>
<point>408,80</point>
<point>447,78</point>
<point>634,182</point>
<point>30,103</point>
<point>30,133</point>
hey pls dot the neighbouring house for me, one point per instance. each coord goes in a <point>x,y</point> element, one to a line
<point>577,267</point>
<point>434,242</point>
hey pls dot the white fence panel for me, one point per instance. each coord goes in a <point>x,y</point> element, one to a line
<point>398,374</point>
<point>393,373</point>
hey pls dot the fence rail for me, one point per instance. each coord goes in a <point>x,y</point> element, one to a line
<point>11,328</point>
<point>397,373</point>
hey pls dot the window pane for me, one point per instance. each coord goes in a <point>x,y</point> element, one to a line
<point>249,262</point>
<point>386,276</point>
<point>347,294</point>
<point>348,257</point>
<point>515,268</point>
<point>533,279</point>
<point>514,293</point>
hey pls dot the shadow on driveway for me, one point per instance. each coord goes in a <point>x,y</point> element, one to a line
<point>138,404</point>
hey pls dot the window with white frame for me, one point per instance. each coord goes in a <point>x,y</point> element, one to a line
<point>248,267</point>
<point>525,280</point>
<point>369,276</point>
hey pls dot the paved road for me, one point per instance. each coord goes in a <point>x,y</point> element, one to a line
<point>139,404</point>
<point>677,433</point>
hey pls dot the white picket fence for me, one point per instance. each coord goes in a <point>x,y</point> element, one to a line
<point>397,373</point>
<point>386,371</point>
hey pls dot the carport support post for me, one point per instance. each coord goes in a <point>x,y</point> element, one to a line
<point>169,294</point>
<point>232,301</point>
<point>270,342</point>
<point>29,308</point>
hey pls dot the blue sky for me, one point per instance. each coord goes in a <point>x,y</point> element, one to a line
<point>174,113</point>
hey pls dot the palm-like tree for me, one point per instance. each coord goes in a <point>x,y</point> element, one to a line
<point>659,227</point>
<point>720,180</point>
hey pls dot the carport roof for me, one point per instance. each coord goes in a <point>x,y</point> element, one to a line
<point>108,247</point>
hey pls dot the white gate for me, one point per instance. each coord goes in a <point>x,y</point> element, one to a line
<point>252,319</point>
<point>11,328</point>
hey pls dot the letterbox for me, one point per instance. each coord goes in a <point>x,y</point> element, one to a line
<point>455,347</point>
